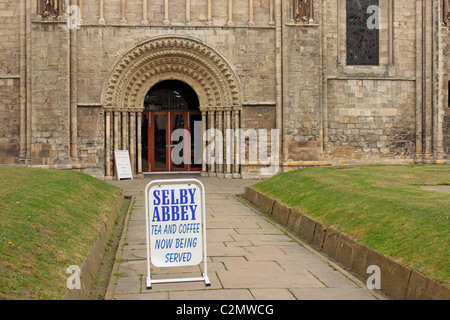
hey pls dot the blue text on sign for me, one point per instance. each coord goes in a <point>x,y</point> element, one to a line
<point>174,205</point>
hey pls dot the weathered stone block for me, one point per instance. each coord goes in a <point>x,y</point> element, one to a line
<point>394,277</point>
<point>423,288</point>
<point>262,201</point>
<point>319,236</point>
<point>346,251</point>
<point>293,223</point>
<point>331,243</point>
<point>307,226</point>
<point>250,194</point>
<point>281,213</point>
<point>302,151</point>
<point>265,203</point>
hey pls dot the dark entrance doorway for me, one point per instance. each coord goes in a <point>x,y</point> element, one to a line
<point>171,114</point>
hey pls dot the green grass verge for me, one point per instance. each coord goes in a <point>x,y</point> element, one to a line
<point>382,207</point>
<point>48,220</point>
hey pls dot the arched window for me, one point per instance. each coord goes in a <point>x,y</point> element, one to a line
<point>363,38</point>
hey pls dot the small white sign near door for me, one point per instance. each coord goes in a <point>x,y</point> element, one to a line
<point>176,229</point>
<point>123,164</point>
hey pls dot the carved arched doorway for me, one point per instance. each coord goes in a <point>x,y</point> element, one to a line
<point>172,60</point>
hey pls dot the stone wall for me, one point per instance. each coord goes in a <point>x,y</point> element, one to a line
<point>371,110</point>
<point>9,120</point>
<point>91,139</point>
<point>301,93</point>
<point>256,117</point>
<point>367,113</point>
<point>9,35</point>
<point>370,119</point>
<point>50,91</point>
<point>9,82</point>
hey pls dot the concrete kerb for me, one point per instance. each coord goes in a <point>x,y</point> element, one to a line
<point>397,281</point>
<point>91,265</point>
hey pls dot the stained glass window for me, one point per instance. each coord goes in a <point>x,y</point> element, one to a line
<point>362,41</point>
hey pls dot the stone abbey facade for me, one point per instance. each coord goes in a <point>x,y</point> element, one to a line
<point>343,82</point>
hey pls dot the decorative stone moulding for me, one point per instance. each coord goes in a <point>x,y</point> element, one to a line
<point>172,58</point>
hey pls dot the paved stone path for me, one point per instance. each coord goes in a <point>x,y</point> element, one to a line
<point>249,258</point>
<point>438,188</point>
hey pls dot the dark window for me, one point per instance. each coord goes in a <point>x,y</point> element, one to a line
<point>171,95</point>
<point>362,42</point>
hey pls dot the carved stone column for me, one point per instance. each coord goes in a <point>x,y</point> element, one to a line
<point>139,143</point>
<point>219,144</point>
<point>123,20</point>
<point>204,156</point>
<point>144,12</point>
<point>251,22</point>
<point>124,130</point>
<point>271,13</point>
<point>108,145</point>
<point>166,13</point>
<point>419,78</point>
<point>80,5</point>
<point>188,12</point>
<point>230,13</point>
<point>228,144</point>
<point>212,127</point>
<point>101,20</point>
<point>209,21</point>
<point>133,141</point>
<point>73,92</point>
<point>23,81</point>
<point>237,164</point>
<point>116,131</point>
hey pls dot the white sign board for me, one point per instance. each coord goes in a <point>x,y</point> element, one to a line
<point>123,165</point>
<point>175,219</point>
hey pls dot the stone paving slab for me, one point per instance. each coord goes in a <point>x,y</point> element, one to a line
<point>249,258</point>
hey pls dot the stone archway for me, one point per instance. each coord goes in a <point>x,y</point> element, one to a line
<point>163,58</point>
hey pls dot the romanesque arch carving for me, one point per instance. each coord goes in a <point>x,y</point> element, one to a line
<point>172,57</point>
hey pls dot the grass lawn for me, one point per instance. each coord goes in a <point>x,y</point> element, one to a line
<point>48,220</point>
<point>382,207</point>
